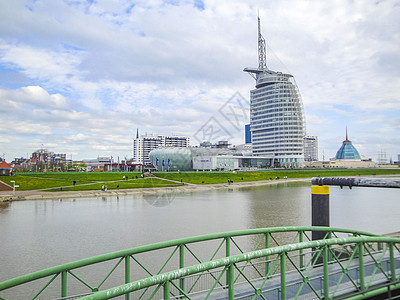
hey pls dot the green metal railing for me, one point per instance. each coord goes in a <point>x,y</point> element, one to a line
<point>364,288</point>
<point>261,261</point>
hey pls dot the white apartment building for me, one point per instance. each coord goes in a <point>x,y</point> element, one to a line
<point>310,148</point>
<point>146,143</point>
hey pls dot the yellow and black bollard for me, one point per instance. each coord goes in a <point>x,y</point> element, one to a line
<point>319,209</point>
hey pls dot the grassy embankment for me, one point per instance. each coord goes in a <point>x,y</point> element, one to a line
<point>222,177</point>
<point>94,181</point>
<point>83,181</point>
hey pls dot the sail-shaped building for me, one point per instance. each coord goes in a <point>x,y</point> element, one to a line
<point>277,122</point>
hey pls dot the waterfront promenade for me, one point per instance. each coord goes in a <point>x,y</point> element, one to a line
<point>186,187</point>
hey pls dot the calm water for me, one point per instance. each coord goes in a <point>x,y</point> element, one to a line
<point>40,234</point>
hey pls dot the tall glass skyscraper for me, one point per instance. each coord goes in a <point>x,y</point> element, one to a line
<point>276,114</point>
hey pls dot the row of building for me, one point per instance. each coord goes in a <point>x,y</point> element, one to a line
<point>174,153</point>
<point>152,152</point>
<point>43,160</point>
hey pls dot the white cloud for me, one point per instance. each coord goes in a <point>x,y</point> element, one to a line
<point>24,128</point>
<point>32,95</point>
<point>97,71</point>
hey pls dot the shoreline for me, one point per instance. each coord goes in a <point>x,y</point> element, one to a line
<point>40,195</point>
<point>186,188</point>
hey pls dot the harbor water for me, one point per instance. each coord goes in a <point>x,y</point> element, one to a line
<point>39,234</point>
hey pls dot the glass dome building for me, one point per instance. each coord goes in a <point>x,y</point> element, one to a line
<point>199,158</point>
<point>172,158</point>
<point>347,151</point>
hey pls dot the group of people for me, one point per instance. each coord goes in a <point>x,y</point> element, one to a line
<point>104,187</point>
<point>277,177</point>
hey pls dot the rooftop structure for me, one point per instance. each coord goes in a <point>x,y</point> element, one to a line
<point>347,151</point>
<point>276,113</point>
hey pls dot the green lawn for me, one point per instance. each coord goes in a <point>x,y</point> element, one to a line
<point>129,184</point>
<point>222,177</point>
<point>37,181</point>
<point>94,181</point>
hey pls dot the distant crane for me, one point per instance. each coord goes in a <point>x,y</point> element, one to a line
<point>382,158</point>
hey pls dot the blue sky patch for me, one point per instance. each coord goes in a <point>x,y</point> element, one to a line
<point>199,4</point>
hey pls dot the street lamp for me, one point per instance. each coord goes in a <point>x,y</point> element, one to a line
<point>14,186</point>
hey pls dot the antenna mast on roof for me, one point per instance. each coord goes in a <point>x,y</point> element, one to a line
<point>262,51</point>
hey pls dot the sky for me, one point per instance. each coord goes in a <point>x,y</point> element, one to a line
<point>81,77</point>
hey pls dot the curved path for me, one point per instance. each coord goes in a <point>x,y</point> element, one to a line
<point>186,187</point>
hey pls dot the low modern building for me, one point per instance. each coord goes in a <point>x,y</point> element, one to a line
<point>143,145</point>
<point>200,158</point>
<point>97,164</point>
<point>348,164</point>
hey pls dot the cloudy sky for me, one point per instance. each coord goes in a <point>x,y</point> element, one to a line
<point>79,77</point>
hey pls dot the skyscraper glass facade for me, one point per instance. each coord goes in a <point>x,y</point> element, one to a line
<point>247,134</point>
<point>276,114</point>
<point>277,119</point>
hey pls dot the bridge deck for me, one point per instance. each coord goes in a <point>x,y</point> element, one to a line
<point>272,288</point>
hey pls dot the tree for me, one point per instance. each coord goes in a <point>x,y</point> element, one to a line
<point>79,166</point>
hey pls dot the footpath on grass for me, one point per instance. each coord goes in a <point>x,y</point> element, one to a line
<point>181,188</point>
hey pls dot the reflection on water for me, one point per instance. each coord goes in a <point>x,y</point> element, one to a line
<point>4,206</point>
<point>159,200</point>
<point>40,234</point>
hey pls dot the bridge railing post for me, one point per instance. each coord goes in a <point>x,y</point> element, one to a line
<point>283,275</point>
<point>326,272</point>
<point>127,272</point>
<point>227,254</point>
<point>182,265</point>
<point>231,282</point>
<point>301,251</point>
<point>392,263</point>
<point>266,257</point>
<point>361,265</point>
<point>64,284</point>
<point>166,290</point>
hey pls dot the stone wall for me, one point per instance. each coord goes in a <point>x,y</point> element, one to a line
<point>5,187</point>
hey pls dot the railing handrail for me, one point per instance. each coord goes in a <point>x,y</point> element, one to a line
<point>161,279</point>
<point>162,245</point>
<point>352,181</point>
